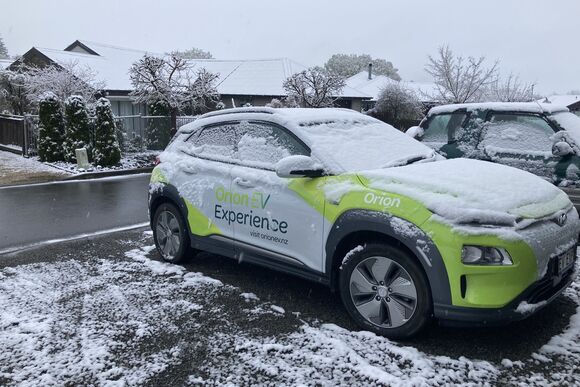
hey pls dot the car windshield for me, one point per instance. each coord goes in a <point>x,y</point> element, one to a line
<point>352,145</point>
<point>569,122</point>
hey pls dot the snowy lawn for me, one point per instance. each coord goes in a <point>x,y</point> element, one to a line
<point>128,161</point>
<point>15,169</point>
<point>132,320</point>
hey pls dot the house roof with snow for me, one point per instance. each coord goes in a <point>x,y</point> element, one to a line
<point>373,86</point>
<point>567,100</point>
<point>261,77</point>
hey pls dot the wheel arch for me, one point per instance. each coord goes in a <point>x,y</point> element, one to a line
<point>357,227</point>
<point>166,194</point>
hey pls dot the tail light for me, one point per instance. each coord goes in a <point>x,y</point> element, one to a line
<point>157,160</point>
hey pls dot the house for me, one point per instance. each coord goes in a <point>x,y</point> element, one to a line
<point>239,82</point>
<point>571,101</point>
<point>372,85</point>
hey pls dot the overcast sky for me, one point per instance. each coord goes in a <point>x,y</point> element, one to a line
<point>539,40</point>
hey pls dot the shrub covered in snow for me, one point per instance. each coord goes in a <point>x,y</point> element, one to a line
<point>50,128</point>
<point>397,106</point>
<point>158,129</point>
<point>106,152</point>
<point>77,130</point>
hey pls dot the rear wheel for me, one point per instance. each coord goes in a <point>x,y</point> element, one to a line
<point>170,234</point>
<point>385,291</point>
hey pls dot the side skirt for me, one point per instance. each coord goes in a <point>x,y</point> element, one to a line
<point>244,252</point>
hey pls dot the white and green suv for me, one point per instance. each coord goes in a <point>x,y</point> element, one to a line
<point>340,198</point>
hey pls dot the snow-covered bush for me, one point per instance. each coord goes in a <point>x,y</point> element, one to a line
<point>288,102</point>
<point>13,91</point>
<point>158,128</point>
<point>50,128</point>
<point>397,106</point>
<point>106,152</point>
<point>77,129</point>
<point>347,65</point>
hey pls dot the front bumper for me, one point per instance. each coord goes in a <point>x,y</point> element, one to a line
<point>540,294</point>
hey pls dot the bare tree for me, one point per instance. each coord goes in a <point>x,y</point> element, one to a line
<point>398,106</point>
<point>170,81</point>
<point>314,87</point>
<point>511,89</point>
<point>63,80</point>
<point>460,79</point>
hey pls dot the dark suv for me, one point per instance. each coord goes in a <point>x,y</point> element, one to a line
<point>538,138</point>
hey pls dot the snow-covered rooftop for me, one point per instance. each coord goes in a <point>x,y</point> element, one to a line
<point>236,77</point>
<point>534,107</point>
<point>563,100</point>
<point>373,87</point>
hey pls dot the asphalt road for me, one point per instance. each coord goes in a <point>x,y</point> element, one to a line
<point>221,314</point>
<point>37,213</point>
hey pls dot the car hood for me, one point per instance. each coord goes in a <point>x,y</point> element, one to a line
<point>471,191</point>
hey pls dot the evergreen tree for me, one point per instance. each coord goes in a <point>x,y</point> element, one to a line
<point>158,129</point>
<point>77,132</point>
<point>3,50</point>
<point>106,152</point>
<point>50,129</point>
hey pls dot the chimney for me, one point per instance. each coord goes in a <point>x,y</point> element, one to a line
<point>370,71</point>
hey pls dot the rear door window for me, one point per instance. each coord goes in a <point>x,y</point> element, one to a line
<point>216,142</point>
<point>518,133</point>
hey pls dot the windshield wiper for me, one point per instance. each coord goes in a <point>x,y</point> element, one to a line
<point>408,160</point>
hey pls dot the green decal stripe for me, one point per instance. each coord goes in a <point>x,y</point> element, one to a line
<point>200,224</point>
<point>157,176</point>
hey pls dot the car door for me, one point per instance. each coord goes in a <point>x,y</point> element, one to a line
<point>278,220</point>
<point>204,184</point>
<point>440,132</point>
<point>520,140</point>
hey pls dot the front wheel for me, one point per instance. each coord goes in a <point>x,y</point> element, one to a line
<point>170,234</point>
<point>385,291</point>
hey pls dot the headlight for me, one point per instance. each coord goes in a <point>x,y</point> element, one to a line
<point>483,255</point>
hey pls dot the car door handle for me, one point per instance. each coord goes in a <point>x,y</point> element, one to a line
<point>244,183</point>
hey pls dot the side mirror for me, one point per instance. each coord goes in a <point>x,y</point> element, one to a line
<point>298,166</point>
<point>562,148</point>
<point>415,132</point>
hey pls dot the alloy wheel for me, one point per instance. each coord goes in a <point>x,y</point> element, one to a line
<point>168,234</point>
<point>383,292</point>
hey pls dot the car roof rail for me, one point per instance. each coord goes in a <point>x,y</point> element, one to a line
<point>263,110</point>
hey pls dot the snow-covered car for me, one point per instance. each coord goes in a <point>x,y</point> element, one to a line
<point>340,198</point>
<point>536,137</point>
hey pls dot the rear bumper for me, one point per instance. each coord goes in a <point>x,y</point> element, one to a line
<point>539,294</point>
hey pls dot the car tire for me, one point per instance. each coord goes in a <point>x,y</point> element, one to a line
<point>385,291</point>
<point>171,234</point>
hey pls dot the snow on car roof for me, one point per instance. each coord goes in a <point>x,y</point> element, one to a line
<point>343,139</point>
<point>534,107</point>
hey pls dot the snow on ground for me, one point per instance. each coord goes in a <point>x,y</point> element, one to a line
<point>128,161</point>
<point>12,163</point>
<point>133,320</point>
